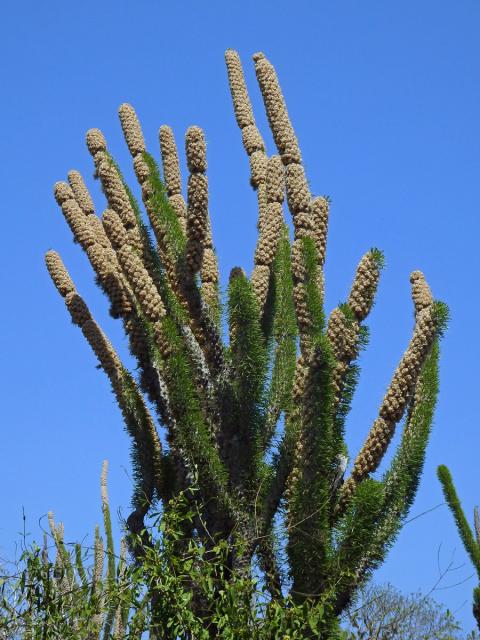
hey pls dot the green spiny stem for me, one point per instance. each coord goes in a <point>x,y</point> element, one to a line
<point>275,482</point>
<point>310,485</point>
<point>472,547</point>
<point>79,565</point>
<point>248,375</point>
<point>476,605</point>
<point>284,345</point>
<point>193,434</point>
<point>464,529</point>
<point>353,536</point>
<point>269,564</point>
<point>146,453</point>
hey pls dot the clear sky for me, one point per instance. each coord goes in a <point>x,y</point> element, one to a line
<point>385,99</point>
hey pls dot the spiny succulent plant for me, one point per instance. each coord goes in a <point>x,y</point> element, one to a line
<point>255,420</point>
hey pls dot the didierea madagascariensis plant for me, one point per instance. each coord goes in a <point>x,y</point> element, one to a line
<point>255,422</point>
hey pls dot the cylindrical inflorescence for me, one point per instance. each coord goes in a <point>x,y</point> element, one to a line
<point>131,129</point>
<point>298,198</point>
<point>81,316</point>
<point>119,200</point>
<point>209,274</point>
<point>171,165</point>
<point>269,233</point>
<point>252,139</point>
<point>344,332</point>
<point>298,192</point>
<point>81,193</point>
<point>197,216</point>
<point>61,574</point>
<point>116,194</point>
<point>395,401</point>
<point>276,109</point>
<point>343,335</point>
<point>171,173</point>
<point>241,101</point>
<point>99,232</point>
<point>96,145</point>
<point>103,485</point>
<point>421,293</point>
<point>260,282</point>
<point>138,278</point>
<point>319,211</point>
<point>200,255</point>
<point>364,285</point>
<point>59,274</point>
<point>98,561</point>
<point>408,370</point>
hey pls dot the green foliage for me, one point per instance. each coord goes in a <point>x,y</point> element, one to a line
<point>441,316</point>
<point>145,461</point>
<point>378,257</point>
<point>248,356</point>
<point>310,502</point>
<point>196,594</point>
<point>284,340</point>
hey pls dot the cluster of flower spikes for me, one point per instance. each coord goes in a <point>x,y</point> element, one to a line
<point>176,278</point>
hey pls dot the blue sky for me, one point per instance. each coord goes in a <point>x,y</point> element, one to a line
<point>384,97</point>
